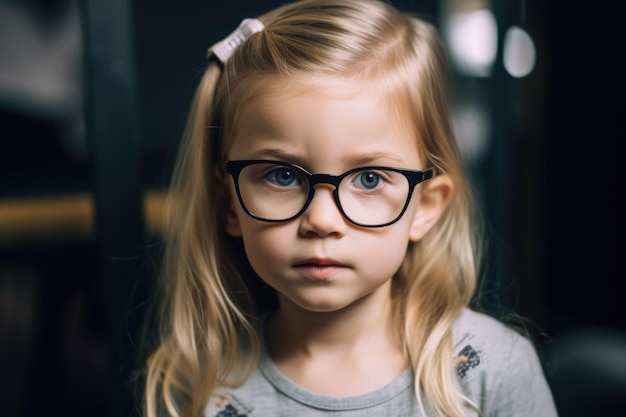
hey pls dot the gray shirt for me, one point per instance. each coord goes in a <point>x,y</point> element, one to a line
<point>497,368</point>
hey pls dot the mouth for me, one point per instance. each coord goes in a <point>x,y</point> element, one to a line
<point>320,269</point>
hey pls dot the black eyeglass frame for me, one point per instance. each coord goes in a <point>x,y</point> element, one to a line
<point>234,168</point>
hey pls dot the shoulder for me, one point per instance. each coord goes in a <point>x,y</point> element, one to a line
<point>241,401</point>
<point>498,367</point>
<point>485,344</point>
<point>479,329</point>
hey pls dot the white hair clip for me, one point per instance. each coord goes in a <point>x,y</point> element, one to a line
<point>224,48</point>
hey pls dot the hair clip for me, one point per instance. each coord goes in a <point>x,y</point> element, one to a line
<point>224,48</point>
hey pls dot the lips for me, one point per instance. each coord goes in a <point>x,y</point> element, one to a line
<point>320,268</point>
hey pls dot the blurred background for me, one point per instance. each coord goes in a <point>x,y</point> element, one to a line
<point>93,100</point>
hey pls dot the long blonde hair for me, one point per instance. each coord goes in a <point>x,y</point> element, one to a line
<point>206,320</point>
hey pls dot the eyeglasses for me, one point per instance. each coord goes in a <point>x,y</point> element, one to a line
<point>274,191</point>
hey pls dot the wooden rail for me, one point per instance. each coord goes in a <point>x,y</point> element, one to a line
<point>63,218</point>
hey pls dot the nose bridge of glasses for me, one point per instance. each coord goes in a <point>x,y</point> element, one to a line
<point>329,196</point>
<point>327,181</point>
<point>316,179</point>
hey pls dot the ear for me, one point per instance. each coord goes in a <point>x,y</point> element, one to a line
<point>433,198</point>
<point>226,205</point>
<point>231,221</point>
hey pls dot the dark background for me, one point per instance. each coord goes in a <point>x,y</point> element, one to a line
<point>74,286</point>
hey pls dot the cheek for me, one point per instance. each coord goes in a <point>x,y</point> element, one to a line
<point>264,245</point>
<point>389,249</point>
<point>383,256</point>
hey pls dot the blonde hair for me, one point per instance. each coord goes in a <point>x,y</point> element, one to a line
<point>207,336</point>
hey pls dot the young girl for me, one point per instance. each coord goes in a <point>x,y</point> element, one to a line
<point>321,250</point>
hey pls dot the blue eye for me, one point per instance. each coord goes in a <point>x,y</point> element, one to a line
<point>283,177</point>
<point>367,180</point>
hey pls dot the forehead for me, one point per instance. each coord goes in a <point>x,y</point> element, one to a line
<point>324,117</point>
<point>264,91</point>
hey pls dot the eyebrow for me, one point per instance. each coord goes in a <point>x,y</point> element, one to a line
<point>353,160</point>
<point>373,157</point>
<point>278,154</point>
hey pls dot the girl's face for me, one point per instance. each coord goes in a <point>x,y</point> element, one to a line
<point>320,261</point>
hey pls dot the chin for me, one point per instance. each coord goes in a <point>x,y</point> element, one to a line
<point>320,306</point>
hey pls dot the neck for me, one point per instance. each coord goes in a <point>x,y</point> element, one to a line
<point>337,353</point>
<point>294,330</point>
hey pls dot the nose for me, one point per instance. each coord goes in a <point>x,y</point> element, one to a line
<point>322,217</point>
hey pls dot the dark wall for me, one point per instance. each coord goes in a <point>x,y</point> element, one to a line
<point>583,221</point>
<point>584,225</point>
